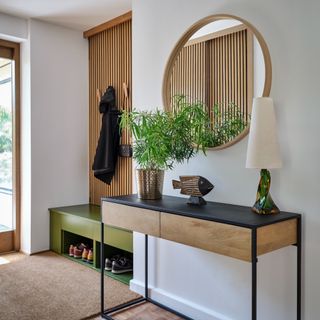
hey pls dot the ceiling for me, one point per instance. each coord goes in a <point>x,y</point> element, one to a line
<point>76,14</point>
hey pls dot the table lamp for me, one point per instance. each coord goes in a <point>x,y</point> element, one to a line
<point>263,151</point>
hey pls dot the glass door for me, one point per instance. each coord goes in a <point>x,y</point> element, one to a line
<point>9,164</point>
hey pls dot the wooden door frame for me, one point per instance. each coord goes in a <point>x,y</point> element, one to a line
<point>15,235</point>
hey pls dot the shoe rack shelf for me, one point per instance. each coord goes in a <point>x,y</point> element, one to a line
<point>81,223</point>
<point>124,278</point>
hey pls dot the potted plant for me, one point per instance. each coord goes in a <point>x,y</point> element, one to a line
<point>162,138</point>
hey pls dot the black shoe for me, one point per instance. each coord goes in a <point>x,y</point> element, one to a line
<point>108,263</point>
<point>122,265</point>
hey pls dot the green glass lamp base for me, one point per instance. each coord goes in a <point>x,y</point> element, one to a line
<point>264,203</point>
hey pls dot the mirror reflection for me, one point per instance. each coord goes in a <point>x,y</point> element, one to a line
<point>222,66</point>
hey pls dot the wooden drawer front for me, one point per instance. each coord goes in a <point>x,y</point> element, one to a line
<point>220,238</point>
<point>131,218</point>
<point>276,236</point>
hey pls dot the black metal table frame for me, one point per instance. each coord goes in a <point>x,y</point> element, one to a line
<point>107,314</point>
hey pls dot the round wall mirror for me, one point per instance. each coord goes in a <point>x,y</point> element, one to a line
<point>223,62</point>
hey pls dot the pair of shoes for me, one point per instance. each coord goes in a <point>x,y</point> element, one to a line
<point>74,251</point>
<point>81,251</point>
<point>109,262</point>
<point>71,250</point>
<point>118,264</point>
<point>87,255</point>
<point>78,250</point>
<point>122,265</point>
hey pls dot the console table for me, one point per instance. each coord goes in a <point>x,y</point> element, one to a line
<point>226,229</point>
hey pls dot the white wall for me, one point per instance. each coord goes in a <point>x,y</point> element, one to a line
<point>59,124</point>
<point>215,27</point>
<point>54,122</point>
<point>209,286</point>
<point>13,28</point>
<point>25,145</point>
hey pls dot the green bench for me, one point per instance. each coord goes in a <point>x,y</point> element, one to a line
<point>74,224</point>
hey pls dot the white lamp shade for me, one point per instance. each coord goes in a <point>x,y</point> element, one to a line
<point>263,147</point>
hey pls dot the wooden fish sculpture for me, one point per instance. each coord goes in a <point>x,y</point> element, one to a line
<point>194,186</point>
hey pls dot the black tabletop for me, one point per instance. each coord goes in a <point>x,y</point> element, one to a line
<point>213,211</point>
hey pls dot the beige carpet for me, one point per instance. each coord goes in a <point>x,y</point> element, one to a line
<point>48,286</point>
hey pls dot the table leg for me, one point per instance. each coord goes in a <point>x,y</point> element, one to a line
<point>254,261</point>
<point>102,267</point>
<point>146,294</point>
<point>299,269</point>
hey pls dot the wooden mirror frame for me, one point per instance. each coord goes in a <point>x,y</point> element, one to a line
<point>183,40</point>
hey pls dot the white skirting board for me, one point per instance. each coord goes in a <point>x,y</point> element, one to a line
<point>190,309</point>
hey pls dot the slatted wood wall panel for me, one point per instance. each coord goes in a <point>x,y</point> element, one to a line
<point>231,68</point>
<point>109,64</point>
<point>189,72</point>
<point>217,71</point>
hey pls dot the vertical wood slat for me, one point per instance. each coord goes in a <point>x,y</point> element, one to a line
<point>189,73</point>
<point>110,63</point>
<point>217,71</point>
<point>250,66</point>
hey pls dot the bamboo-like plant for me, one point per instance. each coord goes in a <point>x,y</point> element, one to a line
<point>5,130</point>
<point>162,138</point>
<point>5,147</point>
<point>213,126</point>
<point>228,122</point>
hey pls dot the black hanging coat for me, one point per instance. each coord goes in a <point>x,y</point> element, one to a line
<point>106,156</point>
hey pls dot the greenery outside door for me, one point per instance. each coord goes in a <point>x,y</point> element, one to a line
<point>9,147</point>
